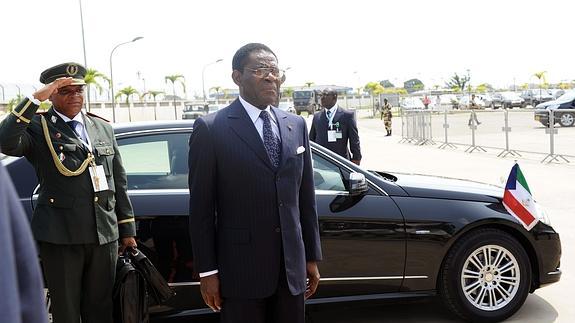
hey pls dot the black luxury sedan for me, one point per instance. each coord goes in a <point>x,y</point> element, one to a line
<point>384,236</point>
<point>563,109</point>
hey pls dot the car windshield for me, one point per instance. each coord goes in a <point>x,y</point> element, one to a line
<point>568,96</point>
<point>302,94</point>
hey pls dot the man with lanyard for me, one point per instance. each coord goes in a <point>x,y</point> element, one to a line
<point>83,211</point>
<point>335,128</point>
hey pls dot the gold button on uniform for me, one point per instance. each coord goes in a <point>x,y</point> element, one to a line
<point>96,199</point>
<point>17,120</point>
<point>61,147</point>
<point>107,151</point>
<point>51,200</point>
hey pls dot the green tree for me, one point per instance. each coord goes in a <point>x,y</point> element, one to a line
<point>92,79</point>
<point>386,84</point>
<point>287,92</point>
<point>128,92</point>
<point>309,84</point>
<point>153,94</point>
<point>174,79</point>
<point>457,82</point>
<point>484,87</point>
<point>12,103</point>
<point>413,85</point>
<point>541,77</point>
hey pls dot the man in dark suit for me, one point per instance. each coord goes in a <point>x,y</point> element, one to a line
<point>83,206</point>
<point>335,128</point>
<point>253,219</point>
<point>21,284</point>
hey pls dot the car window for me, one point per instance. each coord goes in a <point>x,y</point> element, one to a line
<point>326,175</point>
<point>156,161</point>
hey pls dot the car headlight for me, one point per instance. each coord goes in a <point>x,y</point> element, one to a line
<point>542,215</point>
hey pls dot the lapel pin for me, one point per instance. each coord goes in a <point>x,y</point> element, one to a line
<point>54,119</point>
<point>58,135</point>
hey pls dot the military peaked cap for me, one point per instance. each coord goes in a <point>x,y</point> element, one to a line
<point>73,70</point>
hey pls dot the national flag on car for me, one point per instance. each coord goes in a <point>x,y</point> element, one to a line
<point>517,199</point>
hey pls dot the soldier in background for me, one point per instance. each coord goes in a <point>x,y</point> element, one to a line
<point>83,207</point>
<point>386,116</point>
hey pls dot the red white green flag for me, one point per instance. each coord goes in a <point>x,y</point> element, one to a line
<point>518,201</point>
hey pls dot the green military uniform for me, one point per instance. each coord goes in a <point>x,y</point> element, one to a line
<point>386,116</point>
<point>77,228</point>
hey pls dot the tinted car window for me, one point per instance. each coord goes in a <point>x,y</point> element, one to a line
<point>326,175</point>
<point>156,161</point>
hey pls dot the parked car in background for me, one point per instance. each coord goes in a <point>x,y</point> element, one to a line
<point>383,235</point>
<point>491,100</point>
<point>287,106</point>
<point>448,101</point>
<point>194,111</point>
<point>535,96</point>
<point>563,110</point>
<point>464,102</point>
<point>510,100</point>
<point>556,93</point>
<point>410,103</point>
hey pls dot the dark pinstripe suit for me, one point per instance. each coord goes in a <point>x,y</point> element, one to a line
<point>244,214</point>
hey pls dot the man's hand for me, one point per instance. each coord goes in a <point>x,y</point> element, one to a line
<point>355,161</point>
<point>313,278</point>
<point>44,93</point>
<point>210,288</point>
<point>127,242</point>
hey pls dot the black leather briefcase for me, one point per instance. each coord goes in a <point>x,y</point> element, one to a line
<point>158,289</point>
<point>130,293</point>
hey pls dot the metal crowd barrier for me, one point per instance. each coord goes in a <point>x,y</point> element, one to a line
<point>417,129</point>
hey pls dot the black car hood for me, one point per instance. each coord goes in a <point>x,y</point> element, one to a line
<point>448,188</point>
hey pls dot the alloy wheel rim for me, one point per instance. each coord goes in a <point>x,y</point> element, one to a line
<point>567,119</point>
<point>490,277</point>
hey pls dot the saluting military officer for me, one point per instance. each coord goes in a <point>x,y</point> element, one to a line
<point>83,206</point>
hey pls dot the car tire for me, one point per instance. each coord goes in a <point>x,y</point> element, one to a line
<point>485,293</point>
<point>567,120</point>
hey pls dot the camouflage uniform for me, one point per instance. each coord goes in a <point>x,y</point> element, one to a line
<point>386,116</point>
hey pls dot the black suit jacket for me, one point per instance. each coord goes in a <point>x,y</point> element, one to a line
<point>245,214</point>
<point>348,126</point>
<point>68,210</point>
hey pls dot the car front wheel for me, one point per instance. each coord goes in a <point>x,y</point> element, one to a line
<point>567,120</point>
<point>486,276</point>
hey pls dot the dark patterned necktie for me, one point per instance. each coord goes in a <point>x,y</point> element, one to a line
<point>72,124</point>
<point>271,143</point>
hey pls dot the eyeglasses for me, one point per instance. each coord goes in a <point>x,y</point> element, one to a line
<point>263,72</point>
<point>70,92</point>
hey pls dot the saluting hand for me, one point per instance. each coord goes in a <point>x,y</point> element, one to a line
<point>312,278</point>
<point>44,93</point>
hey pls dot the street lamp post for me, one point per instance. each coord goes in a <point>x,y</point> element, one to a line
<point>3,90</point>
<point>112,76</point>
<point>203,72</point>
<point>19,91</point>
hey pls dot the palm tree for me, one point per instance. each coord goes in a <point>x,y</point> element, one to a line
<point>91,78</point>
<point>128,92</point>
<point>287,92</point>
<point>541,77</point>
<point>12,103</point>
<point>153,94</point>
<point>309,84</point>
<point>176,78</point>
<point>216,89</point>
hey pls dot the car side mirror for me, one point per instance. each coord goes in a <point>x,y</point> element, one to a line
<point>357,184</point>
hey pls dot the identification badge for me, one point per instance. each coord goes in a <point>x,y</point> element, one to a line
<point>338,135</point>
<point>98,177</point>
<point>331,136</point>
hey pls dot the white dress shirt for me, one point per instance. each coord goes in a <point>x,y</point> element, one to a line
<point>80,128</point>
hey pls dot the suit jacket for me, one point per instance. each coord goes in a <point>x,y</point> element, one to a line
<point>20,278</point>
<point>68,210</point>
<point>348,127</point>
<point>246,217</point>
